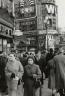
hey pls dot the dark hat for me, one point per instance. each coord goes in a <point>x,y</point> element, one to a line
<point>32,57</point>
<point>51,50</point>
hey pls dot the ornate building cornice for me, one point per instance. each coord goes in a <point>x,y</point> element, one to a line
<point>6,23</point>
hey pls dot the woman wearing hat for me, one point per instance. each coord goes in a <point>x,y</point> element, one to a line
<point>14,72</point>
<point>31,72</point>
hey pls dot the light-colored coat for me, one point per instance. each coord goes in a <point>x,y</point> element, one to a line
<point>17,68</point>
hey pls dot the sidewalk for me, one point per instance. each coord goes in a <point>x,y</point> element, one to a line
<point>45,91</point>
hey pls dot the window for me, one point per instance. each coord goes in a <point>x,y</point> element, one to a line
<point>10,32</point>
<point>50,22</point>
<point>32,27</point>
<point>6,31</point>
<point>24,28</point>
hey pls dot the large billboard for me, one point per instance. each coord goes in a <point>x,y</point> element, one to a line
<point>28,25</point>
<point>49,12</point>
<point>25,9</point>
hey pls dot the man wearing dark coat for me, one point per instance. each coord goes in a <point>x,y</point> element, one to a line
<point>49,56</point>
<point>41,62</point>
<point>59,62</point>
<point>51,78</point>
<point>3,84</point>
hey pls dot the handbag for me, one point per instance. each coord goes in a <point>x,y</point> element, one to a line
<point>19,81</point>
<point>12,75</point>
<point>37,83</point>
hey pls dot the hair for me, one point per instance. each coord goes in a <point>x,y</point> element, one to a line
<point>61,50</point>
<point>32,57</point>
<point>12,54</point>
<point>51,50</point>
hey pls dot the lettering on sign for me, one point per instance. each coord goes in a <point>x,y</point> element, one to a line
<point>51,9</point>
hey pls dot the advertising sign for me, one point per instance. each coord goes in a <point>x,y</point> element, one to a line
<point>28,11</point>
<point>25,12</point>
<point>50,10</point>
<point>62,40</point>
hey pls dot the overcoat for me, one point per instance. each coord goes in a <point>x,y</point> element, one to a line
<point>12,83</point>
<point>29,70</point>
<point>51,80</point>
<point>59,62</point>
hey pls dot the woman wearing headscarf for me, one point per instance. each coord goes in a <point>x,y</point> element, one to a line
<point>31,72</point>
<point>14,72</point>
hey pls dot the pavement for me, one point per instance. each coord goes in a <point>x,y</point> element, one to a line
<point>45,91</point>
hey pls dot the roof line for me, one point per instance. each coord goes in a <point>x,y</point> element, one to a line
<point>25,18</point>
<point>6,23</point>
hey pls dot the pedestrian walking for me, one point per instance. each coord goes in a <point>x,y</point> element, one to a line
<point>59,63</point>
<point>14,72</point>
<point>49,56</point>
<point>41,61</point>
<point>51,77</point>
<point>31,72</point>
<point>3,83</point>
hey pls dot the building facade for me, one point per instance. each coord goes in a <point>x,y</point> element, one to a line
<point>6,30</point>
<point>37,19</point>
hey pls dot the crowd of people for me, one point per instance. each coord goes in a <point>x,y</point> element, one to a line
<point>24,74</point>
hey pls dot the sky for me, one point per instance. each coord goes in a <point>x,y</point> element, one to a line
<point>61,13</point>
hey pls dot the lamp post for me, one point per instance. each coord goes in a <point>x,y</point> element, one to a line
<point>46,27</point>
<point>46,37</point>
<point>16,34</point>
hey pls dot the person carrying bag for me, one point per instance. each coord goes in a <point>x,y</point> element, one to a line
<point>13,71</point>
<point>31,71</point>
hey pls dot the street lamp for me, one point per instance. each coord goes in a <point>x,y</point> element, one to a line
<point>16,34</point>
<point>46,21</point>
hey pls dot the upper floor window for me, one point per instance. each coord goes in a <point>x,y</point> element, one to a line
<point>6,31</point>
<point>10,32</point>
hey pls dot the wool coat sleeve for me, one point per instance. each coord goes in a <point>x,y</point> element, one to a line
<point>7,72</point>
<point>39,72</point>
<point>20,71</point>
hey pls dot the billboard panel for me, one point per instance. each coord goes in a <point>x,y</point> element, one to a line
<point>50,11</point>
<point>25,12</point>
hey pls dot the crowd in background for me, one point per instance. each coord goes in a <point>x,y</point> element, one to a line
<point>29,70</point>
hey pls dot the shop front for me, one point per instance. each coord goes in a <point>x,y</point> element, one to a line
<point>5,44</point>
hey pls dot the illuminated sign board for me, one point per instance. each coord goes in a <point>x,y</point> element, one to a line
<point>28,22</point>
<point>27,12</point>
<point>27,9</point>
<point>50,10</point>
<point>28,25</point>
<point>49,1</point>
